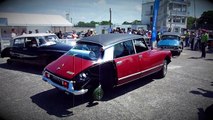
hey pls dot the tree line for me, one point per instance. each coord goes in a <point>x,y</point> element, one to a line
<point>94,23</point>
<point>205,21</point>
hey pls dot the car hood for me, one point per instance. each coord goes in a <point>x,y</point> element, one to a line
<point>68,66</point>
<point>57,46</point>
<point>169,43</point>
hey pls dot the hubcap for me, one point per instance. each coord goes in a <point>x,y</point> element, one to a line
<point>98,93</point>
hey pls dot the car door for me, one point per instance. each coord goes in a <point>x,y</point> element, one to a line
<point>30,51</point>
<point>126,62</point>
<point>17,48</point>
<point>148,58</point>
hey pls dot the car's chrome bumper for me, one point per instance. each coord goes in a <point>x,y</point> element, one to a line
<point>171,49</point>
<point>70,89</point>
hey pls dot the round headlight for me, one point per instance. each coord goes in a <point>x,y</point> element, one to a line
<point>83,77</point>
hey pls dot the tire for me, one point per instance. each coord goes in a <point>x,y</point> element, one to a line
<point>98,93</point>
<point>181,47</point>
<point>9,62</point>
<point>178,53</point>
<point>162,73</point>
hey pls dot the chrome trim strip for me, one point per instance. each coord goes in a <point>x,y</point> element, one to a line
<point>140,72</point>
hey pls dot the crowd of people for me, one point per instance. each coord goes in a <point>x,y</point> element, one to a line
<point>196,40</point>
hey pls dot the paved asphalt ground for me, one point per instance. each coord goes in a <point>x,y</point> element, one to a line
<point>184,94</point>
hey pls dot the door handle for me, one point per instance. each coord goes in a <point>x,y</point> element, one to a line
<point>119,62</point>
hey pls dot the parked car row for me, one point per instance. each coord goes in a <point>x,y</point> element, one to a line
<point>94,64</point>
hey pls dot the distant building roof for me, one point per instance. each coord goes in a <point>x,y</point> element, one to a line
<point>23,19</point>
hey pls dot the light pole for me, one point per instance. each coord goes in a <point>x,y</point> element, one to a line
<point>110,18</point>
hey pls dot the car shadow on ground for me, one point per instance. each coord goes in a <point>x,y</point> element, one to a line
<point>121,90</point>
<point>208,59</point>
<point>204,114</point>
<point>54,102</point>
<point>28,68</point>
<point>194,58</point>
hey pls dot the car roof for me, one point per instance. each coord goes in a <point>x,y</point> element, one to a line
<point>172,33</point>
<point>109,39</point>
<point>35,35</point>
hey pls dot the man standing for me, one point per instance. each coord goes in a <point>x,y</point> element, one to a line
<point>204,40</point>
<point>13,33</point>
<point>187,39</point>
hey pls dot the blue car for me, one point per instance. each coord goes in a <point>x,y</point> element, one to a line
<point>171,41</point>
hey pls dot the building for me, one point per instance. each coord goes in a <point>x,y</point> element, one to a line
<point>147,13</point>
<point>172,15</point>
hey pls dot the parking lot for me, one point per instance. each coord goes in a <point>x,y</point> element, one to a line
<point>184,94</point>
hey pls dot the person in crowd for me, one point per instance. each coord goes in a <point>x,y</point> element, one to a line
<point>129,31</point>
<point>87,34</point>
<point>204,40</point>
<point>23,32</point>
<point>13,33</point>
<point>36,31</point>
<point>74,35</point>
<point>192,37</point>
<point>158,36</point>
<point>187,39</point>
<point>30,32</point>
<point>59,34</point>
<point>198,40</point>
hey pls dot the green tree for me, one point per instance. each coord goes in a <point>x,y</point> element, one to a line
<point>191,22</point>
<point>105,23</point>
<point>135,22</point>
<point>206,20</point>
<point>126,23</point>
<point>91,24</point>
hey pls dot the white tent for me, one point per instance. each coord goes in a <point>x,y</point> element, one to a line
<point>23,19</point>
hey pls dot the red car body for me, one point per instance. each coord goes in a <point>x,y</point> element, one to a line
<point>108,60</point>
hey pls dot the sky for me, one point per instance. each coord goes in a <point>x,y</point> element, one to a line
<point>90,10</point>
<point>80,10</point>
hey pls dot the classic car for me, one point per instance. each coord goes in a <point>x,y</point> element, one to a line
<point>99,63</point>
<point>171,41</point>
<point>39,48</point>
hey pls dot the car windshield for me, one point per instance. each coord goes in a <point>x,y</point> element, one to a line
<point>47,40</point>
<point>170,37</point>
<point>88,51</point>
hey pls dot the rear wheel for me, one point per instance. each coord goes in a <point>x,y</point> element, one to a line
<point>162,73</point>
<point>9,62</point>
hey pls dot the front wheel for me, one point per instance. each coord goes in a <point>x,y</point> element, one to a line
<point>162,73</point>
<point>9,62</point>
<point>98,93</point>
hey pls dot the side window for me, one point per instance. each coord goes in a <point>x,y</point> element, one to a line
<point>123,49</point>
<point>31,42</point>
<point>140,45</point>
<point>19,42</point>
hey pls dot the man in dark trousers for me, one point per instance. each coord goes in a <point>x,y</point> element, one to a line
<point>204,40</point>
